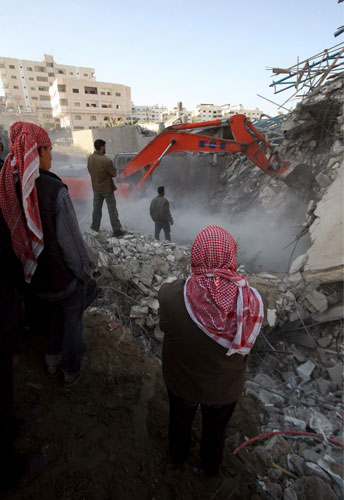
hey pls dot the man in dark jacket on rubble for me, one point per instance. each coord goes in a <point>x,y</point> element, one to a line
<point>161,215</point>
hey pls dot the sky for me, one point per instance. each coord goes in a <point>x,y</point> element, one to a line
<point>194,51</point>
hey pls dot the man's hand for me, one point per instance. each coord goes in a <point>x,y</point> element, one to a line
<point>171,222</point>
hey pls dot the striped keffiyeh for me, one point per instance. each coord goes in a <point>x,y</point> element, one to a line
<point>217,298</point>
<point>23,218</point>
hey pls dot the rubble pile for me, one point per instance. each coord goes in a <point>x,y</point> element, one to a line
<point>296,366</point>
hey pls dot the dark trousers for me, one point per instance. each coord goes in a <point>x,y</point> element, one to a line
<point>98,200</point>
<point>66,341</point>
<point>214,425</point>
<point>165,226</point>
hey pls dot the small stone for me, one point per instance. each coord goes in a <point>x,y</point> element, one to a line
<point>312,469</point>
<point>289,494</point>
<point>297,463</point>
<point>138,311</point>
<point>305,370</point>
<point>324,342</point>
<point>323,180</point>
<point>336,374</point>
<point>275,490</point>
<point>315,302</point>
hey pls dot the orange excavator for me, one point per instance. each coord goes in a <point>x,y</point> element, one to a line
<point>238,136</point>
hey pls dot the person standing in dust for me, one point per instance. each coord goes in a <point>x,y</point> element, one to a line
<point>161,215</point>
<point>102,172</point>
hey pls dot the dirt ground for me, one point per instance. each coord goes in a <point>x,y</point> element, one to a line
<point>106,438</point>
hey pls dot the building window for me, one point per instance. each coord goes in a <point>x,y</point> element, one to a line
<point>102,93</point>
<point>108,93</point>
<point>43,89</point>
<point>93,118</point>
<point>40,69</point>
<point>29,68</point>
<point>71,73</point>
<point>61,88</point>
<point>91,90</point>
<point>118,106</point>
<point>50,65</point>
<point>32,88</point>
<point>60,71</point>
<point>13,77</point>
<point>44,98</point>
<point>51,74</point>
<point>106,105</point>
<point>45,115</point>
<point>34,98</point>
<point>42,78</point>
<point>75,91</point>
<point>15,87</point>
<point>77,117</point>
<point>64,102</point>
<point>118,94</point>
<point>78,128</point>
<point>86,74</point>
<point>12,66</point>
<point>106,118</point>
<point>77,104</point>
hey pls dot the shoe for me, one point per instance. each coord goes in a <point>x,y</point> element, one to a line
<point>70,379</point>
<point>119,233</point>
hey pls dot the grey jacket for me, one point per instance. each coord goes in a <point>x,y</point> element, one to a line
<point>160,210</point>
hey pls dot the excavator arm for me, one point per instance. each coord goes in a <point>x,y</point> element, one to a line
<point>246,139</point>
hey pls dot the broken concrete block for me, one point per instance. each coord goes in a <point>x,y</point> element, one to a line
<point>121,272</point>
<point>296,422</point>
<point>305,370</point>
<point>324,342</point>
<point>147,275</point>
<point>152,303</point>
<point>295,278</point>
<point>289,494</point>
<point>315,301</point>
<point>332,314</point>
<point>104,259</point>
<point>138,311</point>
<point>336,374</point>
<point>323,180</point>
<point>171,258</point>
<point>298,264</point>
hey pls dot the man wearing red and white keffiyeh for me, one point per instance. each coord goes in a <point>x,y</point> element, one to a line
<point>217,298</point>
<point>22,165</point>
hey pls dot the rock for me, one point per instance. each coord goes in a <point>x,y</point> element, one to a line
<point>161,267</point>
<point>289,494</point>
<point>315,301</point>
<point>305,370</point>
<point>133,265</point>
<point>324,386</point>
<point>297,463</point>
<point>277,446</point>
<point>319,422</point>
<point>121,272</point>
<point>138,311</point>
<point>147,275</point>
<point>325,342</point>
<point>298,264</point>
<point>312,487</point>
<point>323,180</point>
<point>104,259</point>
<point>275,490</point>
<point>333,314</point>
<point>310,455</point>
<point>336,374</point>
<point>312,469</point>
<point>298,355</point>
<point>152,303</point>
<point>295,278</point>
<point>296,422</point>
<point>263,455</point>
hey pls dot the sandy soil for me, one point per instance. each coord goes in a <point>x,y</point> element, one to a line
<point>106,438</point>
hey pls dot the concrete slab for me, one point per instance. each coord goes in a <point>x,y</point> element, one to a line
<point>325,262</point>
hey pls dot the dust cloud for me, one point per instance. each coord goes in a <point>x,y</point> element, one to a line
<point>261,241</point>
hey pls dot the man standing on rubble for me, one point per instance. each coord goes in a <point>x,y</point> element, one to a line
<point>161,215</point>
<point>102,171</point>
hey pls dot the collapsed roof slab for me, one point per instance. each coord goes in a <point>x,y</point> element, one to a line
<point>325,263</point>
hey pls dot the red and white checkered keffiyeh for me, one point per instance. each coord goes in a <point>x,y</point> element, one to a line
<point>217,298</point>
<point>23,221</point>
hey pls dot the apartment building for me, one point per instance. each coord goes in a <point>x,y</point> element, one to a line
<point>206,112</point>
<point>82,104</point>
<point>26,84</point>
<point>154,113</point>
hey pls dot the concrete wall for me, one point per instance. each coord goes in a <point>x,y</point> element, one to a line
<point>118,139</point>
<point>325,262</point>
